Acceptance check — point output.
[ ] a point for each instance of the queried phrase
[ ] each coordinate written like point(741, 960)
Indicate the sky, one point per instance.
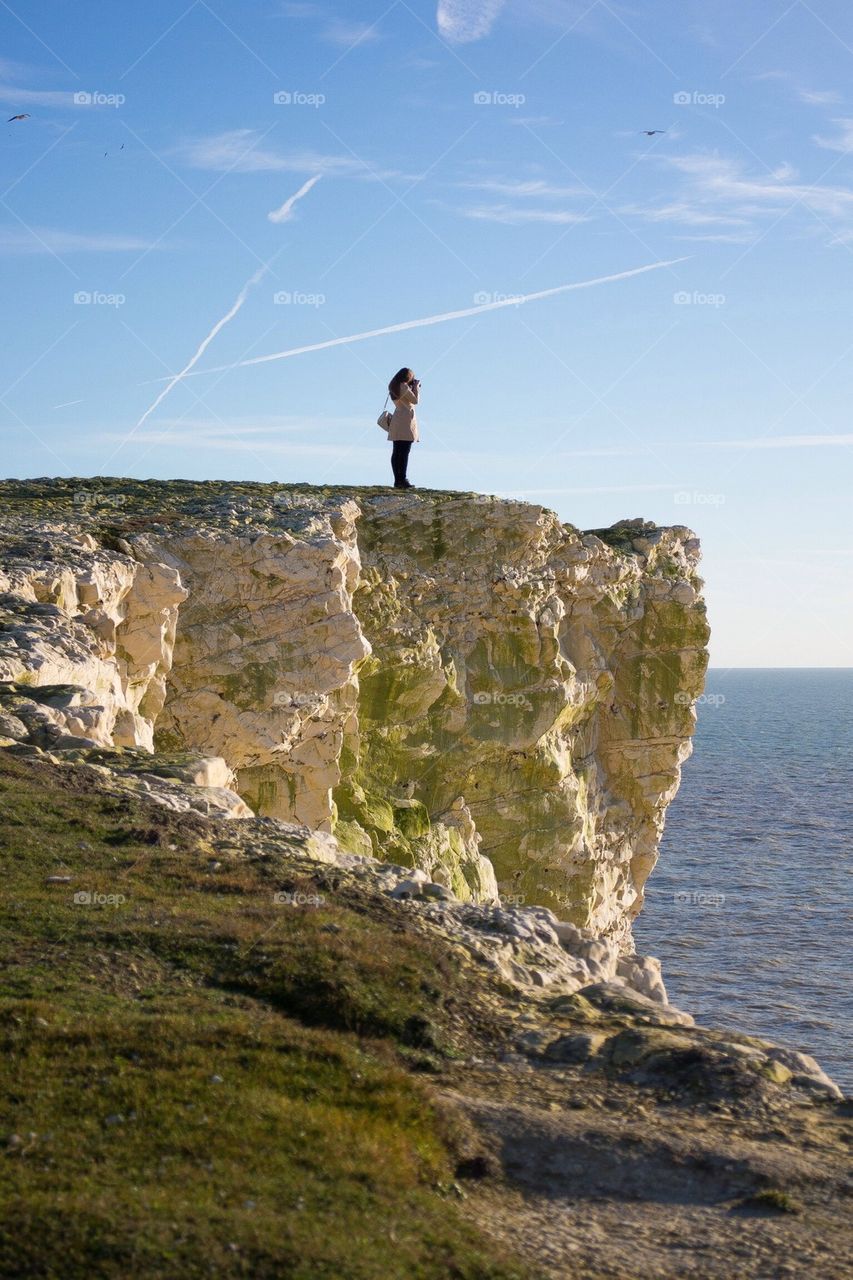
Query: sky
point(196, 185)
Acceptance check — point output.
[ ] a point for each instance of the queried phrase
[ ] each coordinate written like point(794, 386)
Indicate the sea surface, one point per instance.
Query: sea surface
point(750, 907)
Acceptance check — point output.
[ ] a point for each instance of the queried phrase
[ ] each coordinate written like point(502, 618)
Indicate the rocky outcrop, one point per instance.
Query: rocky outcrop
point(264, 669)
point(455, 683)
point(542, 677)
point(99, 625)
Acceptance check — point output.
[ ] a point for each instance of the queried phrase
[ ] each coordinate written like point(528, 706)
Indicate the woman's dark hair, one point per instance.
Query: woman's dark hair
point(401, 376)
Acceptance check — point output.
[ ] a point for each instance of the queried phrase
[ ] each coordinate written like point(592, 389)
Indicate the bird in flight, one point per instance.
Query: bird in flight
point(650, 133)
point(25, 115)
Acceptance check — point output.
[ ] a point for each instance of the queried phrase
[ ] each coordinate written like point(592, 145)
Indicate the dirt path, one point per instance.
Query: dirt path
point(623, 1186)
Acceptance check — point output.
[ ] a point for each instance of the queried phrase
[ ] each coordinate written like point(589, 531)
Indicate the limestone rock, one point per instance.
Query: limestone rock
point(458, 684)
point(616, 998)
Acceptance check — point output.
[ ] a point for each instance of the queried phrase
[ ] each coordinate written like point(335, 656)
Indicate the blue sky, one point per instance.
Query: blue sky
point(466, 154)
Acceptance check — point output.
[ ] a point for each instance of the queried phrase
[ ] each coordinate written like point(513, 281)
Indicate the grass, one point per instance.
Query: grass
point(770, 1200)
point(202, 1081)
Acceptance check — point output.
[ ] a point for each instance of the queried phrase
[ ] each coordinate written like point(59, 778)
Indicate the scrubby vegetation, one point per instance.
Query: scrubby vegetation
point(201, 1080)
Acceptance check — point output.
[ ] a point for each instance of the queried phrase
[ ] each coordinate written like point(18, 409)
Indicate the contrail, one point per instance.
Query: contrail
point(283, 214)
point(220, 324)
point(516, 301)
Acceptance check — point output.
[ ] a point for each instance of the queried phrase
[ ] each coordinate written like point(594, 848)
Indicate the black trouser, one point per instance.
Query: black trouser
point(400, 459)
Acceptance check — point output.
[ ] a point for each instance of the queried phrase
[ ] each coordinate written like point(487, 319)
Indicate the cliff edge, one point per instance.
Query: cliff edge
point(324, 814)
point(451, 682)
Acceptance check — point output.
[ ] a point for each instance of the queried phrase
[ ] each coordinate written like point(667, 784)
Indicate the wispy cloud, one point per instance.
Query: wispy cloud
point(513, 216)
point(717, 237)
point(236, 151)
point(338, 31)
point(233, 151)
point(604, 488)
point(843, 139)
point(261, 436)
point(685, 213)
point(720, 197)
point(827, 441)
point(536, 122)
point(811, 97)
point(256, 424)
point(463, 21)
point(819, 97)
point(523, 189)
point(52, 240)
point(16, 96)
point(285, 213)
point(718, 179)
point(782, 442)
point(526, 200)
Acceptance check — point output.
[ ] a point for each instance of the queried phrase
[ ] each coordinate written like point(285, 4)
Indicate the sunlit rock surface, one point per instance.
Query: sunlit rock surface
point(450, 682)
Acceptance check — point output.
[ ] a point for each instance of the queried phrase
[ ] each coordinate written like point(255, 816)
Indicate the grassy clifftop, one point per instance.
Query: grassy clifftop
point(201, 1081)
point(224, 1059)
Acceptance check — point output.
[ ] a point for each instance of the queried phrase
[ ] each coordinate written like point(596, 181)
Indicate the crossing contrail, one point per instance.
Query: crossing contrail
point(277, 215)
point(283, 214)
point(220, 324)
point(512, 301)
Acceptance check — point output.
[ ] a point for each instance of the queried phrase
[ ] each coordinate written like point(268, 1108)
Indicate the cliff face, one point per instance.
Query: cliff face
point(456, 683)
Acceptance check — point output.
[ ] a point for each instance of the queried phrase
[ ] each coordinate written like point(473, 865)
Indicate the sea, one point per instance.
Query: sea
point(750, 907)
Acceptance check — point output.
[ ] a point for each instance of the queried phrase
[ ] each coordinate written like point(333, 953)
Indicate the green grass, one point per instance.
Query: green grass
point(771, 1200)
point(202, 1082)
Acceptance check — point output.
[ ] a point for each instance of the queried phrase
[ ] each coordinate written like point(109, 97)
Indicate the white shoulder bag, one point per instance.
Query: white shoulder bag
point(384, 419)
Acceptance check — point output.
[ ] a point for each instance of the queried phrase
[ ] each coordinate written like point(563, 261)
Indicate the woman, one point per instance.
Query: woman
point(404, 389)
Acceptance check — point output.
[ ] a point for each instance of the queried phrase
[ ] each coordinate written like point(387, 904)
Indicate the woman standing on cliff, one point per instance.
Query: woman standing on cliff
point(404, 390)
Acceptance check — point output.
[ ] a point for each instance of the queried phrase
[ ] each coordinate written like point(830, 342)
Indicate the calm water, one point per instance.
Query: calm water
point(750, 906)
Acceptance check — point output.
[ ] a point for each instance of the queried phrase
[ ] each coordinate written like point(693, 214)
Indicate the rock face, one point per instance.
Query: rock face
point(449, 682)
point(98, 624)
point(540, 678)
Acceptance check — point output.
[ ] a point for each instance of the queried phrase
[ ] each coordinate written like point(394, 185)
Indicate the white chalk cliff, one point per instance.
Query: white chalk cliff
point(449, 682)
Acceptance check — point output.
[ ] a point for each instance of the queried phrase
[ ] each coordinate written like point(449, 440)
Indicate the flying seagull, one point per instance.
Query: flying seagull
point(650, 133)
point(25, 115)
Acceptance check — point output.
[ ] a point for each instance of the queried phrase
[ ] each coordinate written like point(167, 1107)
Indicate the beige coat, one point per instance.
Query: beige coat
point(404, 423)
